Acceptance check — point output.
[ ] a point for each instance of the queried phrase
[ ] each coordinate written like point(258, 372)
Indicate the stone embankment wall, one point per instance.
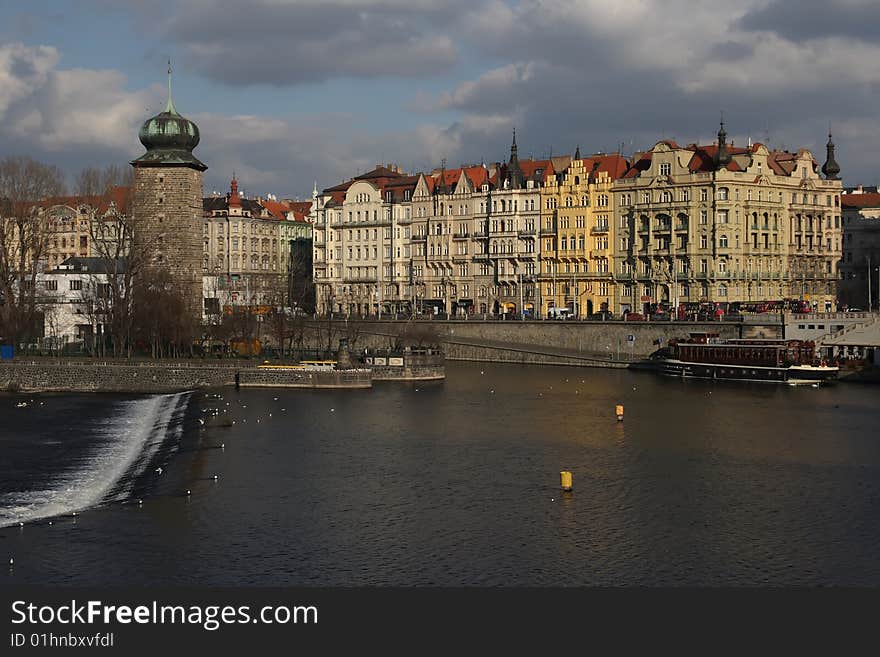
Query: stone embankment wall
point(290, 378)
point(50, 376)
point(595, 344)
point(406, 366)
point(151, 377)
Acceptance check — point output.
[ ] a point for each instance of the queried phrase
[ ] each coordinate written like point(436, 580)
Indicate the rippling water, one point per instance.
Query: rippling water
point(455, 484)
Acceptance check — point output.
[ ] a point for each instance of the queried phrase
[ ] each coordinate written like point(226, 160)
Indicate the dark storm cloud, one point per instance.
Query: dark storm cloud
point(284, 43)
point(810, 19)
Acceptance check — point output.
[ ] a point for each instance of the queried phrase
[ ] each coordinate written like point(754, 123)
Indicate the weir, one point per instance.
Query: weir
point(129, 440)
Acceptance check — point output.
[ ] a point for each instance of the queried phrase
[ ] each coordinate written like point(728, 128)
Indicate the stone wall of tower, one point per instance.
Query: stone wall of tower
point(167, 212)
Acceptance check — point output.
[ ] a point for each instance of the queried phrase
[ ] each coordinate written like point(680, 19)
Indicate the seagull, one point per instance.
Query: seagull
point(188, 492)
point(158, 470)
point(216, 477)
point(11, 561)
point(222, 445)
point(274, 398)
point(201, 421)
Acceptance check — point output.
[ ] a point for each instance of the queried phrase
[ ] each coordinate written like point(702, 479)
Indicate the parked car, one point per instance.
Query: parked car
point(603, 315)
point(635, 317)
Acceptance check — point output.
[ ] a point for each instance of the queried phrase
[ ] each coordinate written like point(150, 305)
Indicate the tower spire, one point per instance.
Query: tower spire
point(234, 198)
point(514, 172)
point(723, 157)
point(831, 168)
point(169, 106)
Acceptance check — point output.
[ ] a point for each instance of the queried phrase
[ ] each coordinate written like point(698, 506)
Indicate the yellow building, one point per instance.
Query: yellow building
point(577, 240)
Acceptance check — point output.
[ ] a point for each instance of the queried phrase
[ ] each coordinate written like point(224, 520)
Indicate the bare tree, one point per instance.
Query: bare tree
point(24, 239)
point(111, 232)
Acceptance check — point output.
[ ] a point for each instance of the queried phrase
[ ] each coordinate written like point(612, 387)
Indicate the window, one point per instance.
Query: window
point(76, 285)
point(704, 194)
point(52, 285)
point(722, 241)
point(665, 169)
point(722, 290)
point(723, 194)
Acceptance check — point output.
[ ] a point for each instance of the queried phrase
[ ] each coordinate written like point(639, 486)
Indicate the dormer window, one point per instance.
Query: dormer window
point(665, 169)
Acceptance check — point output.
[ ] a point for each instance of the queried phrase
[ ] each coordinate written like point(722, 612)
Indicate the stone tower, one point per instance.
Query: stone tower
point(167, 203)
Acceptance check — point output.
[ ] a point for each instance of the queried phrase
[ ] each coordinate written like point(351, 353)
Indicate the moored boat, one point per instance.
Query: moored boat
point(708, 356)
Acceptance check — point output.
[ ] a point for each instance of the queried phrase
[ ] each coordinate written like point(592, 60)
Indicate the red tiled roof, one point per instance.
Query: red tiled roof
point(867, 200)
point(642, 162)
point(276, 210)
point(300, 210)
point(379, 172)
point(119, 196)
point(530, 169)
point(614, 165)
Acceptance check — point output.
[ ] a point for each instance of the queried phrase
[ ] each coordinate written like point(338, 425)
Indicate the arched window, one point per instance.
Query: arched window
point(723, 193)
point(722, 290)
point(722, 241)
point(564, 243)
point(581, 242)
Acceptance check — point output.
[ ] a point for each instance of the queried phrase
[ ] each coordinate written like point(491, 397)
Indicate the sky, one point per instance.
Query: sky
point(289, 93)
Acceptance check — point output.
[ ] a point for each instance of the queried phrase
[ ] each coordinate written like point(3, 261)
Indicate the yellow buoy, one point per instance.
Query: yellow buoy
point(618, 410)
point(565, 480)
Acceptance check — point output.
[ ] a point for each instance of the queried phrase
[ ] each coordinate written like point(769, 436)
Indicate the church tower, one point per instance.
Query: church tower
point(167, 203)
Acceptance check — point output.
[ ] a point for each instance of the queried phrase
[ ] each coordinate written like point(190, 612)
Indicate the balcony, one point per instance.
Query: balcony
point(459, 237)
point(548, 231)
point(598, 230)
point(360, 279)
point(528, 232)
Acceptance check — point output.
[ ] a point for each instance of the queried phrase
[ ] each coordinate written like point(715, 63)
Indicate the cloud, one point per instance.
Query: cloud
point(812, 19)
point(282, 42)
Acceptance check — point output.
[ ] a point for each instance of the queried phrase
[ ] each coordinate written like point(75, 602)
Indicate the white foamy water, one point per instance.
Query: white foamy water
point(128, 440)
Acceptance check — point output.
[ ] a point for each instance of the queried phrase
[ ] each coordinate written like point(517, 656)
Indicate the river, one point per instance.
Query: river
point(447, 484)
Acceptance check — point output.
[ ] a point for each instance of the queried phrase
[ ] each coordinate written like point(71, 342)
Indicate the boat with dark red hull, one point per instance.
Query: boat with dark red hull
point(708, 356)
